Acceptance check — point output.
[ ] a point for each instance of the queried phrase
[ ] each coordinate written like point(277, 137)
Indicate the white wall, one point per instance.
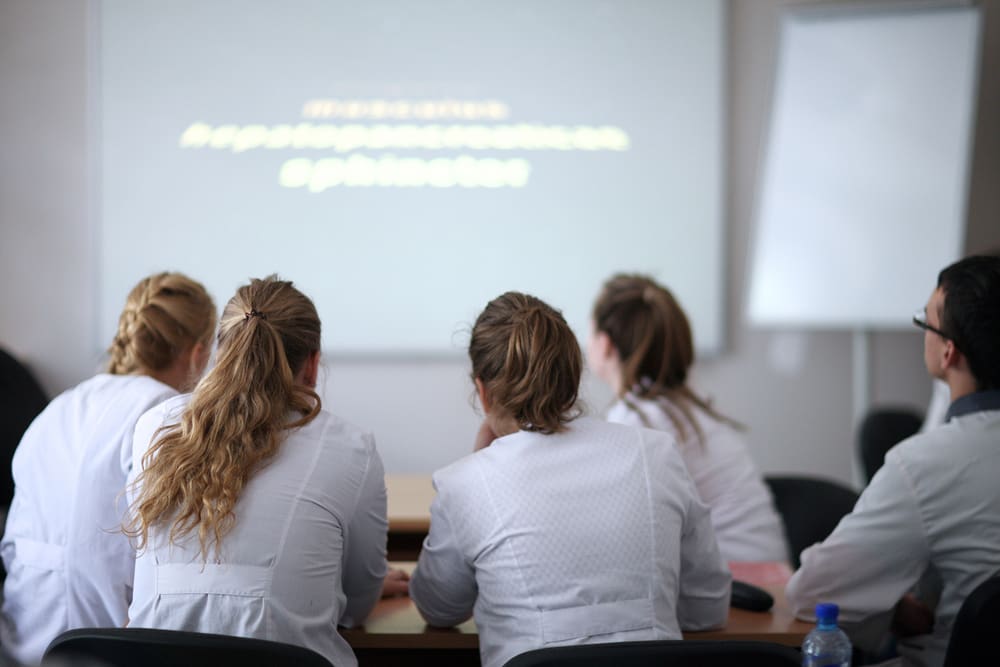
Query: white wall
point(45, 240)
point(792, 389)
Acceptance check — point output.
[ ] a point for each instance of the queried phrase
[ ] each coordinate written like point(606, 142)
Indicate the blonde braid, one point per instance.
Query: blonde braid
point(164, 314)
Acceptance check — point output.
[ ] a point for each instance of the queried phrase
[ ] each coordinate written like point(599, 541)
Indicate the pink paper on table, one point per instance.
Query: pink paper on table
point(761, 573)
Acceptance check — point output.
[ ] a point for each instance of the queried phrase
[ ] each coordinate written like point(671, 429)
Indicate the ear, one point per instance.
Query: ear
point(951, 356)
point(198, 358)
point(603, 347)
point(309, 373)
point(484, 396)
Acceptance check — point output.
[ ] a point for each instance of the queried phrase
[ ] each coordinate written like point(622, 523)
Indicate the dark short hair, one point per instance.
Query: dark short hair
point(971, 315)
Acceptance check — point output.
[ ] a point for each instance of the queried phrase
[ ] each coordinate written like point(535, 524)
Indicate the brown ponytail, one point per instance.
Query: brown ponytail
point(195, 472)
point(652, 336)
point(527, 357)
point(164, 315)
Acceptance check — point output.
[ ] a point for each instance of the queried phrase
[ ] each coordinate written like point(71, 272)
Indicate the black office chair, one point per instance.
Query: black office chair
point(973, 634)
point(676, 653)
point(129, 647)
point(880, 431)
point(21, 399)
point(810, 508)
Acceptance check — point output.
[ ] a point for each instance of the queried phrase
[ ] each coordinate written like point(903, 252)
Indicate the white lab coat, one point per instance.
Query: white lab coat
point(307, 551)
point(937, 408)
point(592, 535)
point(747, 525)
point(934, 503)
point(68, 564)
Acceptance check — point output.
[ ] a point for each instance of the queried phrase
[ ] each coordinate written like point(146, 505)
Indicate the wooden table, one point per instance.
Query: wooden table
point(395, 628)
point(409, 513)
point(410, 499)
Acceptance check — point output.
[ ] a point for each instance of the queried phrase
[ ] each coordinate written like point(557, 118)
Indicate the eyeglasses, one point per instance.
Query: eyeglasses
point(920, 320)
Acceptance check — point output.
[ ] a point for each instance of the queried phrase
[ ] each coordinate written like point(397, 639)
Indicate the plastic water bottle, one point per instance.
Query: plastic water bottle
point(826, 645)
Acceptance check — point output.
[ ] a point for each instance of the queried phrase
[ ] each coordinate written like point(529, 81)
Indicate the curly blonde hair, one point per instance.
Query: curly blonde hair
point(237, 418)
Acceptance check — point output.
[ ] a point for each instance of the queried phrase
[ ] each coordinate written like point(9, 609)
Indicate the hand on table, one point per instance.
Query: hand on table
point(912, 617)
point(395, 584)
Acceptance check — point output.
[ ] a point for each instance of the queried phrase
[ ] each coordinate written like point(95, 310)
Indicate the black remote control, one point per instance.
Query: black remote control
point(750, 597)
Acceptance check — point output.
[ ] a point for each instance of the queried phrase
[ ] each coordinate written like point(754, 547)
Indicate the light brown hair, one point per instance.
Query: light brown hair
point(164, 315)
point(652, 336)
point(236, 421)
point(527, 357)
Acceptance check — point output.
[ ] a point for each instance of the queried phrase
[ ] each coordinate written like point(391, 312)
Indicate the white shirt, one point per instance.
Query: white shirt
point(592, 535)
point(68, 564)
point(937, 407)
point(747, 525)
point(934, 503)
point(306, 553)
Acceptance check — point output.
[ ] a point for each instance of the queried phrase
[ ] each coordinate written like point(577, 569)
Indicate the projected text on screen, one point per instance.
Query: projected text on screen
point(359, 169)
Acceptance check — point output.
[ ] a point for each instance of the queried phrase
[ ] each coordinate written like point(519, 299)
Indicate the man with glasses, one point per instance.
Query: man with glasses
point(933, 509)
point(940, 395)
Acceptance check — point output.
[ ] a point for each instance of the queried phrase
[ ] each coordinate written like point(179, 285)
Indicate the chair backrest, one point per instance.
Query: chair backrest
point(880, 431)
point(676, 653)
point(810, 508)
point(21, 399)
point(126, 647)
point(973, 634)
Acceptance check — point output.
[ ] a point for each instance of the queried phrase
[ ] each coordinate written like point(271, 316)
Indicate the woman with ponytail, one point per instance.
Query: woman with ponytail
point(256, 513)
point(561, 529)
point(641, 345)
point(68, 565)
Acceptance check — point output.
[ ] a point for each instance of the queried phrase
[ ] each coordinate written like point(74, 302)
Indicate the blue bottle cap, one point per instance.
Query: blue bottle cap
point(826, 613)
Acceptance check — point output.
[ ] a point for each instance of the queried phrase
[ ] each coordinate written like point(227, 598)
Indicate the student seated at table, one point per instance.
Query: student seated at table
point(68, 565)
point(641, 345)
point(932, 512)
point(562, 529)
point(256, 513)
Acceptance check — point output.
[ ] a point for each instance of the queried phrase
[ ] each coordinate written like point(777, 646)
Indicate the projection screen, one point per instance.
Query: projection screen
point(405, 162)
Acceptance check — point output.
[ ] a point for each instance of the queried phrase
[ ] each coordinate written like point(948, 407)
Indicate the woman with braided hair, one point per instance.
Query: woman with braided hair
point(641, 345)
point(68, 564)
point(561, 529)
point(255, 512)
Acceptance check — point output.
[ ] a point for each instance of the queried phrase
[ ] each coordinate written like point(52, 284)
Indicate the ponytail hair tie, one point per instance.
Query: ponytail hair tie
point(253, 313)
